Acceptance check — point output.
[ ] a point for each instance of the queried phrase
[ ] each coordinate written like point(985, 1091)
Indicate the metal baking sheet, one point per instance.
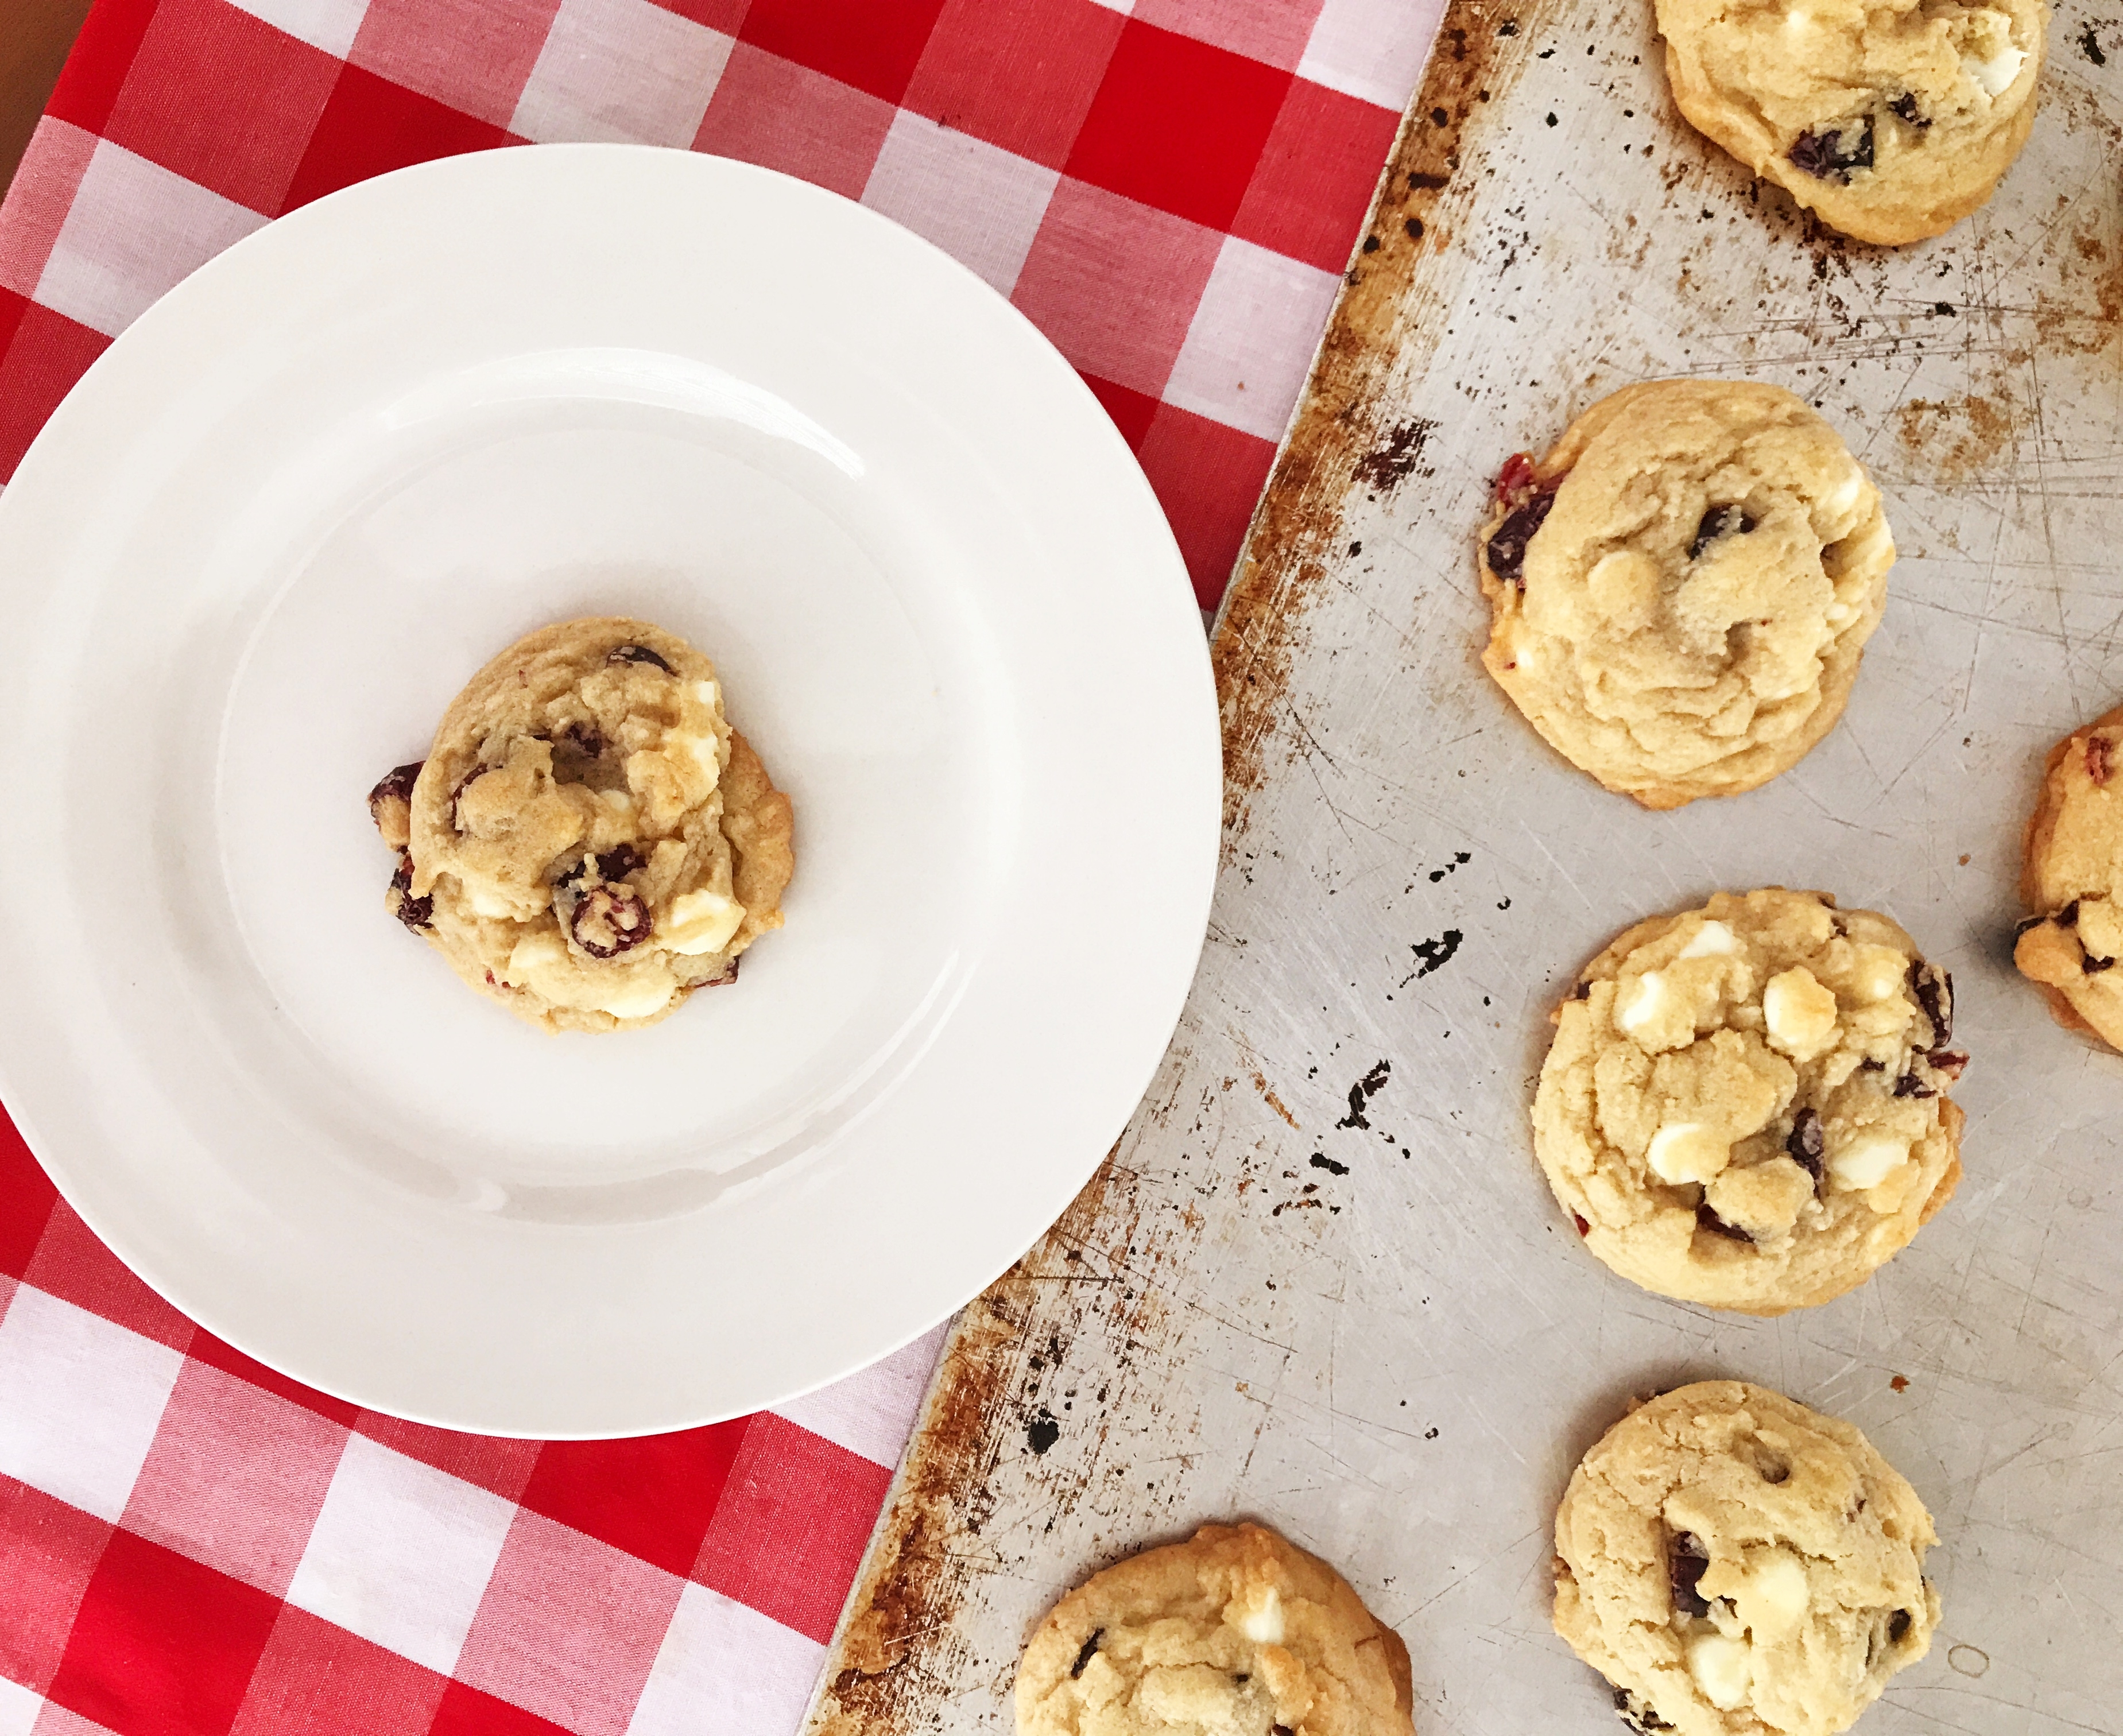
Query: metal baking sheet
point(1320, 1281)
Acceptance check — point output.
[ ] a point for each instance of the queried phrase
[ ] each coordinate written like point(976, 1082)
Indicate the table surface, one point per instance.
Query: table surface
point(33, 47)
point(1322, 1281)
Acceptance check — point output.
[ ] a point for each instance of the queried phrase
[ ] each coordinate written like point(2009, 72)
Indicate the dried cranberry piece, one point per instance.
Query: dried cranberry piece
point(1583, 992)
point(1909, 1086)
point(1717, 524)
point(396, 785)
point(2025, 923)
point(1808, 1143)
point(2068, 917)
point(620, 861)
point(1898, 1627)
point(1516, 476)
point(2100, 759)
point(1686, 1561)
point(1707, 1219)
point(1507, 542)
point(1951, 1062)
point(728, 976)
point(608, 921)
point(1934, 993)
point(1583, 1227)
point(1905, 108)
point(637, 653)
point(1834, 156)
point(417, 914)
point(2093, 967)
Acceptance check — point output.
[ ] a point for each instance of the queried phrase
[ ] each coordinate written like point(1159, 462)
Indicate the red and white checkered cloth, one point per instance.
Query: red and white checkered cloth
point(191, 1544)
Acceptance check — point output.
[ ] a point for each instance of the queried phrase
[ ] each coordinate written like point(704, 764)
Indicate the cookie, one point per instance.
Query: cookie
point(1744, 1105)
point(1683, 588)
point(588, 840)
point(2072, 883)
point(1736, 1564)
point(1235, 1632)
point(1889, 120)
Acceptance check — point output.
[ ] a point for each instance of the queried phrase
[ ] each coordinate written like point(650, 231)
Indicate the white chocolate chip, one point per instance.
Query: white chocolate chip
point(1645, 1001)
point(1261, 1622)
point(1994, 76)
point(1877, 972)
point(1687, 1151)
point(1714, 940)
point(486, 903)
point(1846, 493)
point(1800, 1013)
point(1772, 1594)
point(700, 922)
point(1838, 614)
point(1866, 1159)
point(1722, 1669)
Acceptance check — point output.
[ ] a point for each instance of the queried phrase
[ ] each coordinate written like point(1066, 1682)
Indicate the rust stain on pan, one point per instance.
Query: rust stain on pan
point(1345, 436)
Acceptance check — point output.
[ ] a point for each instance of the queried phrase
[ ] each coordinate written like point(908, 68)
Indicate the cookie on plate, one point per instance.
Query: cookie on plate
point(1735, 1562)
point(1744, 1105)
point(1889, 120)
point(1683, 588)
point(2073, 882)
point(1235, 1632)
point(588, 840)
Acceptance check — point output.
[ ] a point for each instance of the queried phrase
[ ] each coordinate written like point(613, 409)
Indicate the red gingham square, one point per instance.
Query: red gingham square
point(1130, 410)
point(235, 1478)
point(471, 55)
point(651, 1497)
point(784, 116)
point(1272, 30)
point(726, 16)
point(569, 1628)
point(1019, 73)
point(1178, 453)
point(162, 1646)
point(1313, 188)
point(48, 1555)
point(50, 352)
point(314, 1679)
point(247, 152)
point(102, 55)
point(469, 1711)
point(371, 126)
point(1114, 284)
point(793, 1522)
point(871, 44)
point(26, 1193)
point(1178, 125)
point(70, 1263)
point(44, 185)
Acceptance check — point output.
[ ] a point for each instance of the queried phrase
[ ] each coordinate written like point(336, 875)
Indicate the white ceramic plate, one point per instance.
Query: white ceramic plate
point(247, 564)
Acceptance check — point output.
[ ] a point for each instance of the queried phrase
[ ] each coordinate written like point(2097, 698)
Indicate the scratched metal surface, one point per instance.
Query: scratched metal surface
point(1320, 1281)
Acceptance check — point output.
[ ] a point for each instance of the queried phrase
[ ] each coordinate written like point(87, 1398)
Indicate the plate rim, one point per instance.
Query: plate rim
point(58, 445)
